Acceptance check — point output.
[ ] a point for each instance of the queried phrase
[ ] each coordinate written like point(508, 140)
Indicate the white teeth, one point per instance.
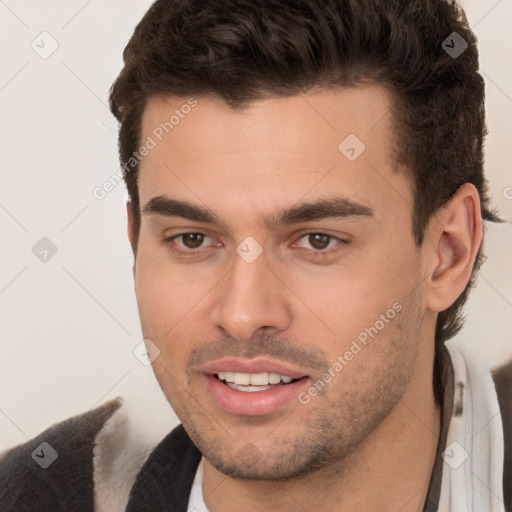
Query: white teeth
point(274, 378)
point(253, 379)
point(259, 379)
point(248, 388)
point(242, 379)
point(227, 376)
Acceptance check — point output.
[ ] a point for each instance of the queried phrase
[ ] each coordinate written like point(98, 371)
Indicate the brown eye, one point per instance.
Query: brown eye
point(319, 241)
point(190, 244)
point(192, 240)
point(321, 245)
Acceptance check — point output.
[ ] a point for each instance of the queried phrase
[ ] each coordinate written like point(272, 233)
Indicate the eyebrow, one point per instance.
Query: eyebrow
point(328, 208)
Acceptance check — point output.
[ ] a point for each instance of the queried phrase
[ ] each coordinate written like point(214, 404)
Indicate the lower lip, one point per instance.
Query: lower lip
point(253, 403)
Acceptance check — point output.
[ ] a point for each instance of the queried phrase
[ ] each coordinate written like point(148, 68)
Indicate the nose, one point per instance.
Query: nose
point(251, 297)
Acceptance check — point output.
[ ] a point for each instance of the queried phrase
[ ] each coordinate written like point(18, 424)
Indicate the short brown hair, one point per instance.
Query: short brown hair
point(244, 50)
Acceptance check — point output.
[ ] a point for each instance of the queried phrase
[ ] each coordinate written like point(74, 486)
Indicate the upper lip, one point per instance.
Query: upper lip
point(252, 366)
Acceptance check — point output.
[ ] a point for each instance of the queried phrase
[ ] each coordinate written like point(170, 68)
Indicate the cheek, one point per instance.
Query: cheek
point(163, 293)
point(353, 297)
point(375, 314)
point(376, 353)
point(170, 302)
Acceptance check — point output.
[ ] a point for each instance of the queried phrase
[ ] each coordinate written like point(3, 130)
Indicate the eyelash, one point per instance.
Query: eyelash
point(318, 253)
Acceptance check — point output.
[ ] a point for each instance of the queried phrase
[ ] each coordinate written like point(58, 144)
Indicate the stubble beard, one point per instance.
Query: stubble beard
point(332, 432)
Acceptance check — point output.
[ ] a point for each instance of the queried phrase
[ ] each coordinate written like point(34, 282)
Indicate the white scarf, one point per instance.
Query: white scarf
point(473, 459)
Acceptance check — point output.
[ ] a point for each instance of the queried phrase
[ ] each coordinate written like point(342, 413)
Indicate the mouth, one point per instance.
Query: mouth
point(253, 387)
point(253, 382)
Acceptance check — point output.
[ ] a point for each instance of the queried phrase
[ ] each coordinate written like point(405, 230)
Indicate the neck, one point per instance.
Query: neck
point(389, 471)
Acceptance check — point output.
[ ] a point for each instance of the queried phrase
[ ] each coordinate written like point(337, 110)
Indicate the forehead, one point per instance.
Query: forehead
point(302, 123)
point(274, 152)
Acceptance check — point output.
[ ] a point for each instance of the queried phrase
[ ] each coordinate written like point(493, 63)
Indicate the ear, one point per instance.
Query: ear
point(130, 230)
point(455, 235)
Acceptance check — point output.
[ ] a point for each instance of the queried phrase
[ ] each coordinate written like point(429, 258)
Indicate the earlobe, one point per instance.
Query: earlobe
point(456, 235)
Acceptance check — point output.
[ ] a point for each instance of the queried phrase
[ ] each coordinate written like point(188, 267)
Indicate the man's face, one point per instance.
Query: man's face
point(333, 301)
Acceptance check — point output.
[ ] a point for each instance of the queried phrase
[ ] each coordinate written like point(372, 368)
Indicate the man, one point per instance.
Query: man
point(306, 204)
